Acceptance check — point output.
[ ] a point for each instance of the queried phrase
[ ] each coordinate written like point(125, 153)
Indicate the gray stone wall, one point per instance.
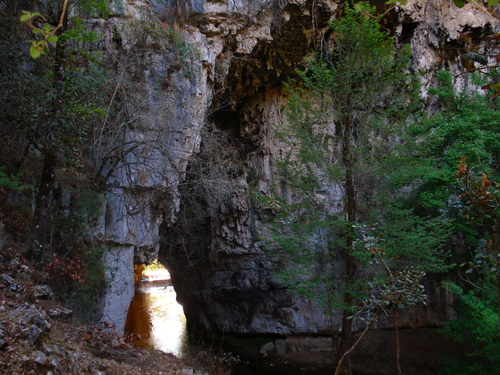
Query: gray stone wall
point(241, 51)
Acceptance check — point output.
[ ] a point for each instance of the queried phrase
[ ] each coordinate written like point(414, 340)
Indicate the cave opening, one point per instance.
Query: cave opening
point(155, 319)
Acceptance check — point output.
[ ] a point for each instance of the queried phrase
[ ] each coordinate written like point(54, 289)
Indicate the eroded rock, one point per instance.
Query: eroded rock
point(10, 283)
point(43, 292)
point(60, 313)
point(31, 322)
point(40, 358)
point(31, 334)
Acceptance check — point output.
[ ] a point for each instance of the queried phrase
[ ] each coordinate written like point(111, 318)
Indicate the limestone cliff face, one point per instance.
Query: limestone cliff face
point(227, 77)
point(161, 84)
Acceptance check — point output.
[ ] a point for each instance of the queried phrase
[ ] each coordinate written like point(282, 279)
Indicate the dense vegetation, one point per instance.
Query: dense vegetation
point(372, 185)
point(49, 109)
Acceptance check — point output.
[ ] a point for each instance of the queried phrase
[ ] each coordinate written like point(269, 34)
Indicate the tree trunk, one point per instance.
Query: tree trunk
point(351, 349)
point(60, 70)
point(42, 217)
point(398, 350)
point(350, 262)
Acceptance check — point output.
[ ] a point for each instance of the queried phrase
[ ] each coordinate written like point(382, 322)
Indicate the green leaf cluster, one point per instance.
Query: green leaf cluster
point(362, 71)
point(415, 241)
point(477, 327)
point(400, 289)
point(84, 8)
point(93, 8)
point(9, 182)
point(30, 108)
point(466, 126)
point(355, 96)
point(39, 47)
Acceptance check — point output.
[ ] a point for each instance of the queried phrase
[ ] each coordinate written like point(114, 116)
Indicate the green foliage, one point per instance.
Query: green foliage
point(55, 112)
point(477, 327)
point(356, 97)
point(467, 126)
point(306, 248)
point(345, 114)
point(390, 2)
point(345, 171)
point(56, 118)
point(413, 240)
point(75, 268)
point(50, 105)
point(86, 295)
point(93, 8)
point(84, 8)
point(394, 257)
point(30, 108)
point(479, 314)
point(358, 88)
point(80, 33)
point(9, 182)
point(481, 197)
point(399, 289)
point(361, 69)
point(39, 47)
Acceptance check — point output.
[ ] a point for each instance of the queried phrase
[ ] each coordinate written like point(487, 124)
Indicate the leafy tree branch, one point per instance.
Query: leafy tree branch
point(48, 32)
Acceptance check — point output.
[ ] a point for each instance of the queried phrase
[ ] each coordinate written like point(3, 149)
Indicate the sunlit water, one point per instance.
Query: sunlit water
point(159, 321)
point(156, 317)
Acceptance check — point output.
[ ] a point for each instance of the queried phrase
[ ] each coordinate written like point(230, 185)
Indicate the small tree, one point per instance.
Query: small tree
point(481, 198)
point(466, 125)
point(52, 97)
point(478, 322)
point(345, 113)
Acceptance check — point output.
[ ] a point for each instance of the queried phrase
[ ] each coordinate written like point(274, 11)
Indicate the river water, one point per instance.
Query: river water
point(158, 322)
point(155, 317)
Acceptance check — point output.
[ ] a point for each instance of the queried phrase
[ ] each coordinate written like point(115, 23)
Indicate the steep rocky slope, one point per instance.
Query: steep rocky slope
point(37, 335)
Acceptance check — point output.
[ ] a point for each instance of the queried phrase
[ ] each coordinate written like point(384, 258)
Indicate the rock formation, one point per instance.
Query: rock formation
point(216, 69)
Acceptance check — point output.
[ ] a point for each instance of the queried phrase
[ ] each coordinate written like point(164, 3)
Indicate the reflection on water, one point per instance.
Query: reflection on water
point(157, 318)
